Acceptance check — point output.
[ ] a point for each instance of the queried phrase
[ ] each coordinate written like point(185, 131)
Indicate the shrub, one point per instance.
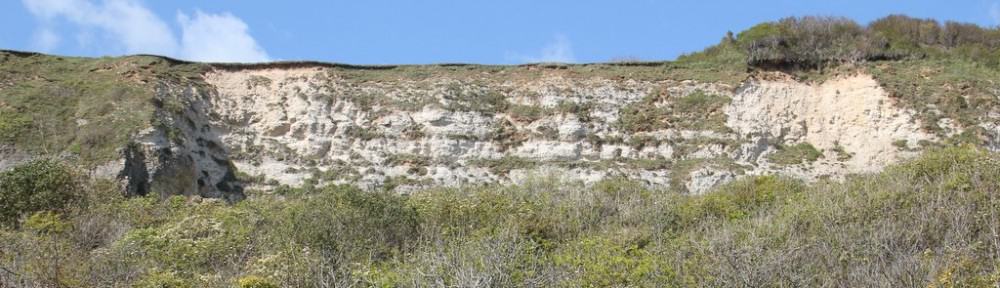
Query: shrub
point(733, 201)
point(699, 111)
point(841, 152)
point(526, 113)
point(255, 282)
point(602, 262)
point(348, 222)
point(619, 186)
point(926, 222)
point(795, 154)
point(696, 111)
point(464, 98)
point(38, 185)
point(802, 42)
point(408, 159)
point(581, 110)
point(47, 222)
point(159, 279)
point(504, 165)
point(645, 115)
point(816, 42)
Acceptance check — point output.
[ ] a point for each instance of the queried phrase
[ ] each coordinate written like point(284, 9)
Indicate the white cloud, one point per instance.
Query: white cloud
point(218, 37)
point(560, 49)
point(135, 29)
point(127, 23)
point(45, 40)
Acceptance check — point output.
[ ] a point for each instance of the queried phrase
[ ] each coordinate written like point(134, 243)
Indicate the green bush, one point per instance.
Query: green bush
point(35, 186)
point(349, 222)
point(733, 201)
point(694, 111)
point(255, 282)
point(816, 42)
point(47, 222)
point(648, 114)
point(759, 32)
point(795, 154)
point(526, 113)
point(504, 165)
point(159, 279)
point(581, 110)
point(602, 262)
point(699, 111)
point(478, 99)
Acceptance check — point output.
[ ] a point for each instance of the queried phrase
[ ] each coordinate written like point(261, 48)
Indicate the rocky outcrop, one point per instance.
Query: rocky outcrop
point(180, 154)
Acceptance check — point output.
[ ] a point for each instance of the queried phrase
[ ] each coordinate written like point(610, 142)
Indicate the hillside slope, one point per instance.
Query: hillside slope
point(803, 152)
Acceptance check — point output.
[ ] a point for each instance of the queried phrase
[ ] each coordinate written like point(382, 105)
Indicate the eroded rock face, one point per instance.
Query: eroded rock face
point(180, 154)
point(850, 118)
point(706, 178)
point(292, 125)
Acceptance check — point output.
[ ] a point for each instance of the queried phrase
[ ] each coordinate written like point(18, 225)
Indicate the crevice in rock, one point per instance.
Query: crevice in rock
point(135, 175)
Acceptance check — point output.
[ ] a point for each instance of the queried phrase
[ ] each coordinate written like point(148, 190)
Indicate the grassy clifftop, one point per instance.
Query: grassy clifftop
point(82, 106)
point(941, 70)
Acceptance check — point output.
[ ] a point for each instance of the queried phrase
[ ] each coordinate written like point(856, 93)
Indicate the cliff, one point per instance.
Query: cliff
point(172, 127)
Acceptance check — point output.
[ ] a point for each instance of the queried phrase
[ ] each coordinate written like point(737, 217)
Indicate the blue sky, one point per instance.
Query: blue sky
point(420, 32)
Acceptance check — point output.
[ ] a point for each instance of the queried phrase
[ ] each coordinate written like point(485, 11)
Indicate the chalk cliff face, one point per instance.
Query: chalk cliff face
point(850, 119)
point(215, 130)
point(313, 125)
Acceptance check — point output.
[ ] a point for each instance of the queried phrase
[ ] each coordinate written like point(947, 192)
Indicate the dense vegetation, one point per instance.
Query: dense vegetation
point(932, 221)
point(940, 70)
point(815, 42)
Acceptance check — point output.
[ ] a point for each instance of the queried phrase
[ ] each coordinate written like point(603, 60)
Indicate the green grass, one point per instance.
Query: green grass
point(646, 115)
point(795, 154)
point(959, 89)
point(658, 110)
point(81, 105)
point(700, 111)
point(478, 99)
point(408, 159)
point(526, 113)
point(13, 125)
point(504, 165)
